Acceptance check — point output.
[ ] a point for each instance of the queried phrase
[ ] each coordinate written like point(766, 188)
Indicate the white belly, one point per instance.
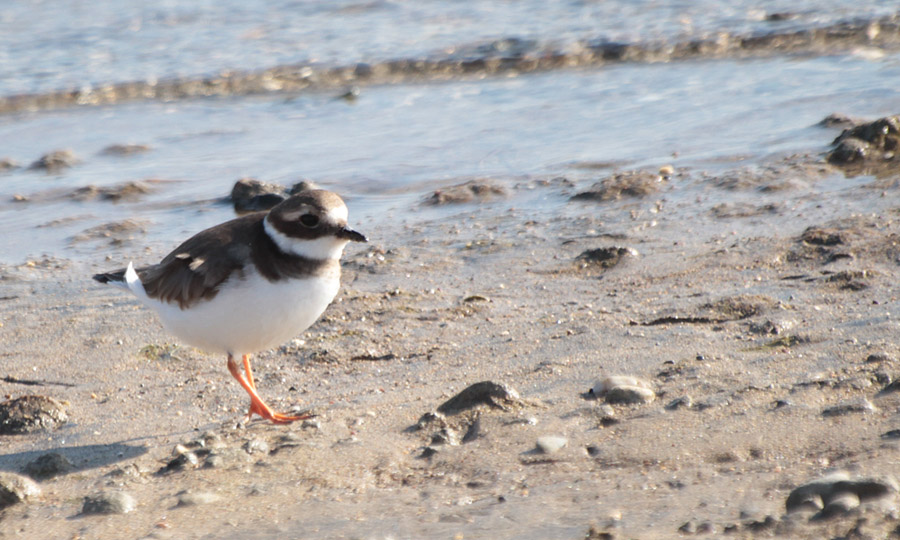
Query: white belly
point(249, 315)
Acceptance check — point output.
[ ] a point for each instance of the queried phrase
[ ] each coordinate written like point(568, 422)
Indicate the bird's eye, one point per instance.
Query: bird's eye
point(309, 220)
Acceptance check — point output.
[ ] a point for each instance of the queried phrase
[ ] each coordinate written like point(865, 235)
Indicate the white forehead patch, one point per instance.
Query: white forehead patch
point(338, 214)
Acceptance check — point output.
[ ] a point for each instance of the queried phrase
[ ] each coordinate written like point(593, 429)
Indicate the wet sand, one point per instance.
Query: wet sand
point(505, 57)
point(759, 312)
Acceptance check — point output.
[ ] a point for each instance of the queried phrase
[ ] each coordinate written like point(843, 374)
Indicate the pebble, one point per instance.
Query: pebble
point(214, 461)
point(15, 488)
point(838, 493)
point(550, 444)
point(624, 389)
point(251, 195)
point(197, 498)
point(445, 435)
point(879, 357)
point(48, 466)
point(622, 184)
point(56, 161)
point(428, 451)
point(109, 502)
point(860, 405)
point(311, 423)
point(181, 461)
point(495, 395)
point(8, 164)
point(473, 191)
point(125, 149)
point(684, 402)
point(604, 258)
point(31, 413)
point(256, 446)
point(290, 439)
point(840, 503)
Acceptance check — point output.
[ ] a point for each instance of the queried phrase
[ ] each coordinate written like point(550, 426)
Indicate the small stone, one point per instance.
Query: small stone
point(303, 185)
point(350, 94)
point(890, 387)
point(197, 498)
point(428, 451)
point(214, 461)
point(627, 184)
point(838, 120)
point(251, 195)
point(838, 493)
point(473, 191)
point(8, 164)
point(624, 389)
point(489, 393)
point(125, 149)
point(15, 488)
point(879, 357)
point(445, 435)
point(605, 257)
point(840, 504)
point(290, 438)
point(256, 446)
point(56, 161)
point(180, 462)
point(630, 395)
point(48, 466)
point(550, 444)
point(109, 502)
point(31, 413)
point(860, 405)
point(211, 439)
point(765, 524)
point(614, 381)
point(849, 150)
point(684, 402)
point(311, 423)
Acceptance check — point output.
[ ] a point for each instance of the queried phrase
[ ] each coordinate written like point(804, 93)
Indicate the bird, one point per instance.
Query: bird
point(249, 284)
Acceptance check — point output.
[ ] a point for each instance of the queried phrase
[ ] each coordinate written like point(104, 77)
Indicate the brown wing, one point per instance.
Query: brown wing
point(195, 270)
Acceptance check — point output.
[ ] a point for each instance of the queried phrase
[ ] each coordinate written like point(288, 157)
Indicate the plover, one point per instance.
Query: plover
point(249, 284)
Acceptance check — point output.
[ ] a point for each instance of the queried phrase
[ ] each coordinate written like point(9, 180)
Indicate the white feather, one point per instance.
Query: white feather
point(327, 247)
point(247, 315)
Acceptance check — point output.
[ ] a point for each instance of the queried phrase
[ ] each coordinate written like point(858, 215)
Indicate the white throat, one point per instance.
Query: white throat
point(327, 247)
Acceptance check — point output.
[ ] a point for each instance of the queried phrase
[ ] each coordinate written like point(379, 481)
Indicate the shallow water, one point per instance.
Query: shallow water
point(51, 45)
point(388, 148)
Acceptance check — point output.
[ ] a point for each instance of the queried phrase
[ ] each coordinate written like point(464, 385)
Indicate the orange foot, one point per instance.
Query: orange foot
point(257, 405)
point(260, 408)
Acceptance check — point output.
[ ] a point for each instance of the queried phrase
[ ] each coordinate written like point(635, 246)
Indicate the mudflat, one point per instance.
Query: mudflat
point(667, 359)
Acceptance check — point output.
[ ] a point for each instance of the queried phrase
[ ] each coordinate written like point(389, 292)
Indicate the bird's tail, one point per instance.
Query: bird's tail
point(133, 283)
point(125, 278)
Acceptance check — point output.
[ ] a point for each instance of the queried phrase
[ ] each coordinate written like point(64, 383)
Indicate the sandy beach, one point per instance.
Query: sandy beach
point(756, 317)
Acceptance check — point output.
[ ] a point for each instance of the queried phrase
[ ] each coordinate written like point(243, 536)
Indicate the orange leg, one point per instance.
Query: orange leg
point(248, 371)
point(257, 405)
